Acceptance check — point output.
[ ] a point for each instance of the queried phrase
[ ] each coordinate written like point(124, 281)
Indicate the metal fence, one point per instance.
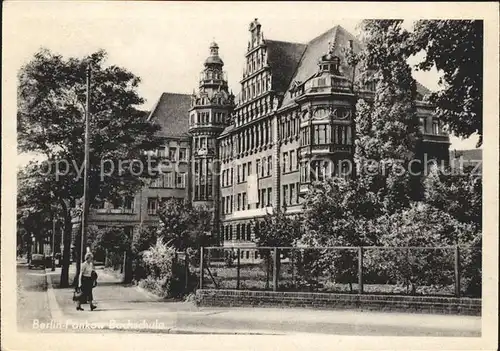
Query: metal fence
point(367, 269)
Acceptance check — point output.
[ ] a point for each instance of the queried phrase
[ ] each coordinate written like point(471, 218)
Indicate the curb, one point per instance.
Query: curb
point(55, 310)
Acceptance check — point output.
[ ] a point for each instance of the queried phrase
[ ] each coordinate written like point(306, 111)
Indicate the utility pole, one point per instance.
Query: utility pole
point(53, 268)
point(85, 202)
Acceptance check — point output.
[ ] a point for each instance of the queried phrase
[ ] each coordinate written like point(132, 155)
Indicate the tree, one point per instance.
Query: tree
point(387, 127)
point(274, 230)
point(420, 225)
point(51, 109)
point(458, 194)
point(182, 224)
point(455, 49)
point(36, 210)
point(143, 238)
point(336, 212)
point(112, 240)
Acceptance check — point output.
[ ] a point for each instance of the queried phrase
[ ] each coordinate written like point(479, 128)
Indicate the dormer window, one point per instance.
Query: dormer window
point(336, 64)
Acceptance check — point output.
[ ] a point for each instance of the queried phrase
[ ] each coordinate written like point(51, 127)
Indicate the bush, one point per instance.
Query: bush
point(166, 275)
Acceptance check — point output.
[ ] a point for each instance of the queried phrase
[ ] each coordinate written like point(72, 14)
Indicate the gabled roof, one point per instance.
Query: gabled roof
point(283, 57)
point(317, 47)
point(171, 113)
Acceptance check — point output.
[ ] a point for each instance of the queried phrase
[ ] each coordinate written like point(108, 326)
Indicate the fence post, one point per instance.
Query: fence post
point(186, 271)
point(275, 269)
point(457, 271)
point(238, 270)
point(122, 270)
point(202, 269)
point(360, 270)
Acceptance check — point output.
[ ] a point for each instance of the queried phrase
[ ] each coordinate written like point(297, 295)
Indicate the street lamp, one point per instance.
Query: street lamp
point(84, 218)
point(53, 268)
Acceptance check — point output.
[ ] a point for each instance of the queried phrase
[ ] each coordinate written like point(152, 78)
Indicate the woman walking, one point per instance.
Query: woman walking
point(86, 283)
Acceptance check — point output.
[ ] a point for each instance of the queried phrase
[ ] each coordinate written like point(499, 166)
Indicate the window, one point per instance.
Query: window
point(269, 165)
point(297, 193)
point(162, 152)
point(128, 204)
point(263, 168)
point(152, 205)
point(164, 180)
point(180, 180)
point(238, 173)
point(292, 194)
point(172, 153)
point(435, 127)
point(244, 207)
point(269, 196)
point(243, 177)
point(238, 204)
point(157, 182)
point(183, 154)
point(249, 168)
point(248, 254)
point(285, 195)
point(237, 232)
point(285, 162)
point(257, 167)
point(249, 234)
point(293, 161)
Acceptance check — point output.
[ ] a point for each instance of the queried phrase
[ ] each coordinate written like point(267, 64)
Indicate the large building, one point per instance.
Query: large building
point(291, 124)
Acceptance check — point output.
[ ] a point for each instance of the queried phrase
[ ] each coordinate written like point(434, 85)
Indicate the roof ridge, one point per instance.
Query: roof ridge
point(169, 93)
point(284, 41)
point(323, 33)
point(153, 110)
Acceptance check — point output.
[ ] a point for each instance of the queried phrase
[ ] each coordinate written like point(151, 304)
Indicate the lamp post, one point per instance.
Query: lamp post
point(53, 267)
point(85, 207)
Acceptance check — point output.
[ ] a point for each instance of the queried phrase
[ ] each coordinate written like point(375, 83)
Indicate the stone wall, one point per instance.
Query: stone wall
point(417, 304)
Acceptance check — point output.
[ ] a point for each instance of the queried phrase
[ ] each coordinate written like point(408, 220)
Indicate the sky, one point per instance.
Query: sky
point(165, 43)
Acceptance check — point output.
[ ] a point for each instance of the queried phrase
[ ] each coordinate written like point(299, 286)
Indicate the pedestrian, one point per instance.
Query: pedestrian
point(86, 283)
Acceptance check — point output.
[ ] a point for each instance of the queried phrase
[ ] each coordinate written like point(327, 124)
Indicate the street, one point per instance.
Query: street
point(32, 301)
point(44, 307)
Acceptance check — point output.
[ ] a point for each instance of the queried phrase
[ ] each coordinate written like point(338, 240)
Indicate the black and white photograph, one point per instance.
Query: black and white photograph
point(287, 172)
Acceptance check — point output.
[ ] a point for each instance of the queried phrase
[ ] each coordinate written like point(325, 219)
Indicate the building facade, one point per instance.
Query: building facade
point(291, 124)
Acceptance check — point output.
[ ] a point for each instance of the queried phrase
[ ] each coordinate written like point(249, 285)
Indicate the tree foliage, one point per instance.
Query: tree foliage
point(277, 229)
point(456, 193)
point(143, 238)
point(182, 224)
point(382, 206)
point(387, 127)
point(51, 110)
point(455, 49)
point(420, 225)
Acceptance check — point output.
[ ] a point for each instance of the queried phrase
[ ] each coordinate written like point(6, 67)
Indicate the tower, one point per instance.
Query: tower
point(209, 115)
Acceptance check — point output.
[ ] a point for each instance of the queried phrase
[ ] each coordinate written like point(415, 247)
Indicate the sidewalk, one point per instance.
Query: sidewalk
point(130, 308)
